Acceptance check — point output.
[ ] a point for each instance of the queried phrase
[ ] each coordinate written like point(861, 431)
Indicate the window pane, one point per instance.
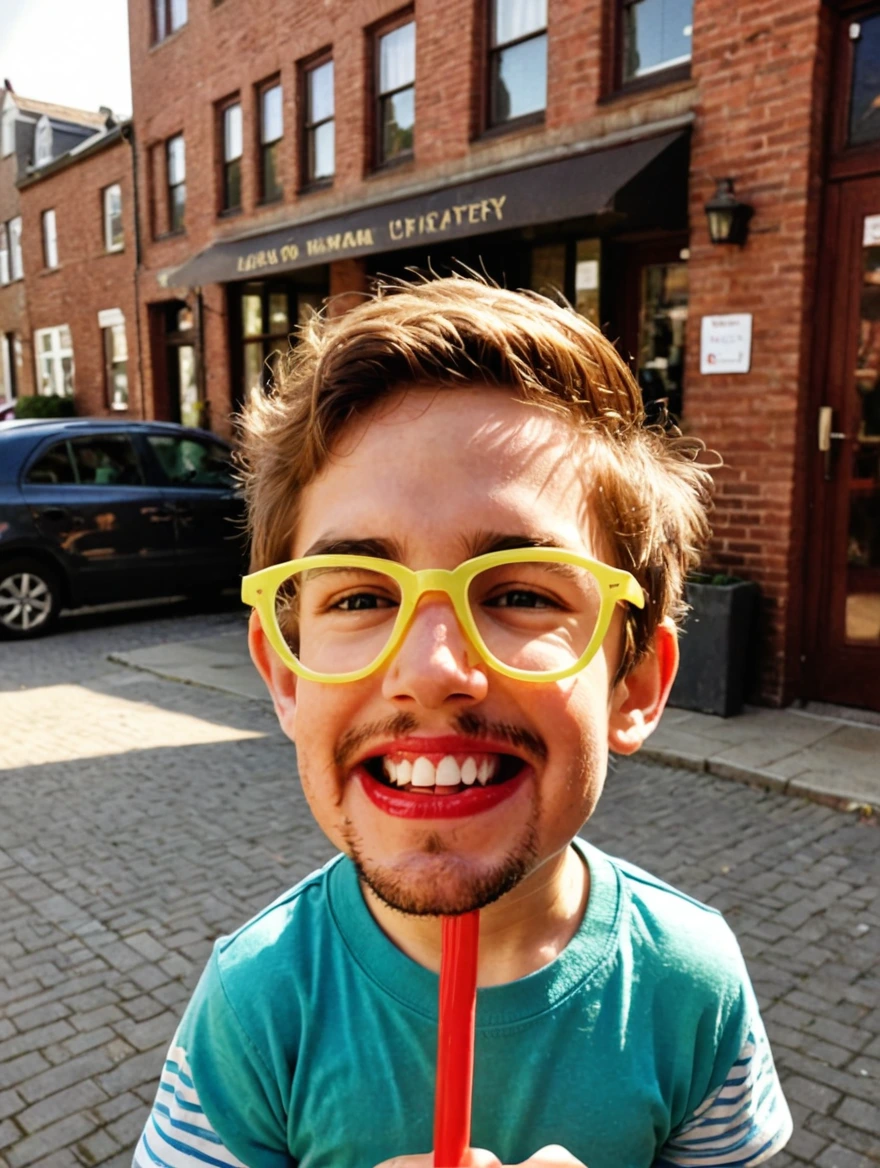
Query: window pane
point(191, 462)
point(118, 343)
point(45, 341)
point(517, 18)
point(864, 109)
point(178, 14)
point(398, 119)
point(53, 467)
point(113, 236)
point(272, 188)
point(548, 269)
point(232, 185)
point(178, 206)
point(662, 327)
point(272, 125)
point(176, 160)
point(16, 269)
point(253, 365)
point(521, 82)
point(65, 344)
point(4, 255)
point(50, 240)
point(107, 460)
point(278, 320)
point(66, 388)
point(159, 19)
point(231, 133)
point(397, 58)
point(252, 315)
point(320, 93)
point(119, 386)
point(322, 162)
point(656, 33)
point(587, 277)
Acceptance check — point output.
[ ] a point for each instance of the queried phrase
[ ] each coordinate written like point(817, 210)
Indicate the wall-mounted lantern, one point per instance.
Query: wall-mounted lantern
point(728, 217)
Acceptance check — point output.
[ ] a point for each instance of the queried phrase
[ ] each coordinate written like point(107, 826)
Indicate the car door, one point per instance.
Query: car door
point(200, 492)
point(90, 501)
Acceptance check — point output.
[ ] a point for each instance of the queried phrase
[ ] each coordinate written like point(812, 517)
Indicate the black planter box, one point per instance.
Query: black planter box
point(715, 645)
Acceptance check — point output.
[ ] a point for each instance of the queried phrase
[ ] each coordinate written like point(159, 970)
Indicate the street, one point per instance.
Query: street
point(141, 818)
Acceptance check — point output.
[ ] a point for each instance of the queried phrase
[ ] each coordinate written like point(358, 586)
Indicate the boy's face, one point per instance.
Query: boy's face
point(435, 478)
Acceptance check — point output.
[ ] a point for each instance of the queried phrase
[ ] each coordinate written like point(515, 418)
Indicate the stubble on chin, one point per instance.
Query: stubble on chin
point(444, 885)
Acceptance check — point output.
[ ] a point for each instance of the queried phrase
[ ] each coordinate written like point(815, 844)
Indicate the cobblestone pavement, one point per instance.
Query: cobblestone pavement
point(140, 818)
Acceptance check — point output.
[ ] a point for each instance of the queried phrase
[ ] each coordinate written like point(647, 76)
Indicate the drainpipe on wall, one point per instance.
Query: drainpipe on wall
point(128, 135)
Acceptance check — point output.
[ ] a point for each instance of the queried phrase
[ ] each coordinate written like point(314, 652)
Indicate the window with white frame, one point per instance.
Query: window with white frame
point(7, 367)
point(114, 239)
point(175, 156)
point(43, 141)
point(7, 129)
point(16, 265)
point(50, 239)
point(656, 35)
point(54, 353)
point(4, 254)
point(116, 364)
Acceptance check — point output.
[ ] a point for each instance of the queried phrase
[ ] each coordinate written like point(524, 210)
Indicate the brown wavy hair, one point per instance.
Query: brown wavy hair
point(649, 489)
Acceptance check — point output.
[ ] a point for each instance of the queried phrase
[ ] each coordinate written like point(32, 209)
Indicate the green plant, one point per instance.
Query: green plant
point(44, 406)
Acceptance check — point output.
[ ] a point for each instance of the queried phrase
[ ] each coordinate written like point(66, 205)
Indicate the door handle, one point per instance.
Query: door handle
point(827, 435)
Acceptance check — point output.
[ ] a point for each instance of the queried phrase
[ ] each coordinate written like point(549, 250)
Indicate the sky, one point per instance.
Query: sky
point(74, 52)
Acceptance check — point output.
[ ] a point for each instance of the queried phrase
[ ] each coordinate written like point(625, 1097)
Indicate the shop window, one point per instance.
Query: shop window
point(548, 270)
point(114, 239)
point(662, 328)
point(396, 93)
point(116, 366)
point(168, 17)
point(319, 130)
point(587, 274)
point(864, 96)
point(231, 140)
point(517, 60)
point(50, 239)
point(269, 314)
point(175, 161)
point(655, 37)
point(54, 350)
point(13, 234)
point(271, 133)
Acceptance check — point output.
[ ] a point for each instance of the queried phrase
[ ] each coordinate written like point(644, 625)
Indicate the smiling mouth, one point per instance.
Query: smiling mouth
point(443, 774)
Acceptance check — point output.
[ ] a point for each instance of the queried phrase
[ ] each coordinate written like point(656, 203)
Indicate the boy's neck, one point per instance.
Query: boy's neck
point(520, 933)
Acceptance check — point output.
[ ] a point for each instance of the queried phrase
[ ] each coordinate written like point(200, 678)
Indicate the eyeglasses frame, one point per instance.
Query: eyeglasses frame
point(259, 590)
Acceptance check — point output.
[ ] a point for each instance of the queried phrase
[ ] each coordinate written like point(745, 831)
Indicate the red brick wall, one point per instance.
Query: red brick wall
point(13, 302)
point(758, 120)
point(88, 278)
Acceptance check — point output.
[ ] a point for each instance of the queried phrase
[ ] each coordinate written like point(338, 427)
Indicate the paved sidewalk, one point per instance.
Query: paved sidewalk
point(827, 759)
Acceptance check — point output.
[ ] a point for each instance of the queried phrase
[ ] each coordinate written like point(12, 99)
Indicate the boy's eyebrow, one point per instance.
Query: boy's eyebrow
point(382, 549)
point(494, 541)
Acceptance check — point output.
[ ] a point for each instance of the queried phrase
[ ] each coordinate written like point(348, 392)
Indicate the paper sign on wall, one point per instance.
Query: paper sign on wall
point(726, 343)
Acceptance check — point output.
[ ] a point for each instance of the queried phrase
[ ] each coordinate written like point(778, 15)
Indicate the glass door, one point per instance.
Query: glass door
point(846, 666)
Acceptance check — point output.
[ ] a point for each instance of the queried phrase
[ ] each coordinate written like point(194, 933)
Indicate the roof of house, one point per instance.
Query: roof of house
point(61, 113)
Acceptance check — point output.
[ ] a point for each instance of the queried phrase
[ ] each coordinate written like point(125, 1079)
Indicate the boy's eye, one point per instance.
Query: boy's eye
point(519, 598)
point(362, 601)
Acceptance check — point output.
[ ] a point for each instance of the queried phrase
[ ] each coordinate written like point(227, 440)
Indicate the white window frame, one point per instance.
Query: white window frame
point(51, 362)
point(7, 365)
point(43, 141)
point(7, 128)
point(109, 245)
point(50, 238)
point(16, 263)
point(4, 254)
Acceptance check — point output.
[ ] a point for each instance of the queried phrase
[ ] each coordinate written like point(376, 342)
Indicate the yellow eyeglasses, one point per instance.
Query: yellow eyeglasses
point(533, 614)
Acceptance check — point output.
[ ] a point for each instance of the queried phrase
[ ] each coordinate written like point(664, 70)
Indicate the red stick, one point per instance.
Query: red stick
point(455, 1039)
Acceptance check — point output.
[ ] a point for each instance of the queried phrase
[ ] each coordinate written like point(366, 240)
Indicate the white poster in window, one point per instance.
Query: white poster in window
point(586, 276)
point(726, 343)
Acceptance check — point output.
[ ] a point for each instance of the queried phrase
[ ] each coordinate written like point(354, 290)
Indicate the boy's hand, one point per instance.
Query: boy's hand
point(553, 1156)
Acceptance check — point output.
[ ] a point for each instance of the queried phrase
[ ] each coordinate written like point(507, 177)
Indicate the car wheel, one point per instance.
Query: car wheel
point(30, 599)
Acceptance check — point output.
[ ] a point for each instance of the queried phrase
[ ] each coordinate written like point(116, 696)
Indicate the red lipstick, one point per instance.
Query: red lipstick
point(408, 805)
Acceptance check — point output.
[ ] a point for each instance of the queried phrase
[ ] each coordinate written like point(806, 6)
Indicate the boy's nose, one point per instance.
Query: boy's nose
point(435, 664)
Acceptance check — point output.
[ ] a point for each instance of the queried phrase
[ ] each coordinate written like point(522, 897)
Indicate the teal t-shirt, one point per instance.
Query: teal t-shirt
point(311, 1040)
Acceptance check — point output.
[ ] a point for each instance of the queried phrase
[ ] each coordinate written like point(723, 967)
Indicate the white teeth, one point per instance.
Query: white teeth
point(423, 773)
point(390, 769)
point(483, 772)
point(469, 771)
point(448, 774)
point(404, 772)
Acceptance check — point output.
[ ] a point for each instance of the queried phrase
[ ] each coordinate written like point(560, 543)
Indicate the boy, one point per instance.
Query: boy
point(470, 552)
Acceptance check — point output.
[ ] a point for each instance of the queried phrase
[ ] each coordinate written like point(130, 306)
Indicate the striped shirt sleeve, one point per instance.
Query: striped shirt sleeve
point(744, 1122)
point(178, 1134)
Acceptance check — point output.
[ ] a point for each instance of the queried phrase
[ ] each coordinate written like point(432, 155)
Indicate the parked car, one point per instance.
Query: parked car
point(94, 510)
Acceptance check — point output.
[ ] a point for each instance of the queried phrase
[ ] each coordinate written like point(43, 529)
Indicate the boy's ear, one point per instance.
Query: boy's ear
point(638, 700)
point(280, 681)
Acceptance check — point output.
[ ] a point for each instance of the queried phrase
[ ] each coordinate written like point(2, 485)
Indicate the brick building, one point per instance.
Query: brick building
point(79, 252)
point(32, 134)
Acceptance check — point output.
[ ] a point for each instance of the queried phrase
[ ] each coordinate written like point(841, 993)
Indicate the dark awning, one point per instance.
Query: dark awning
point(581, 185)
